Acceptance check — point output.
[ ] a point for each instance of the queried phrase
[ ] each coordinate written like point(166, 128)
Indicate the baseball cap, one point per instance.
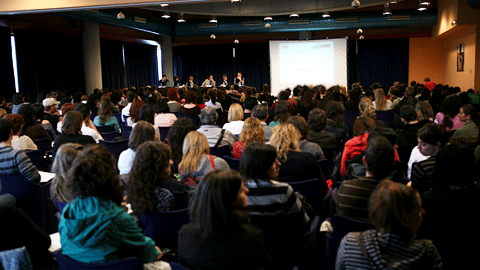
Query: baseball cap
point(49, 102)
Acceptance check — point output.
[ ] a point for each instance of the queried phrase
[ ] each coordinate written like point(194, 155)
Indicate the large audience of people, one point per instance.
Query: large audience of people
point(384, 172)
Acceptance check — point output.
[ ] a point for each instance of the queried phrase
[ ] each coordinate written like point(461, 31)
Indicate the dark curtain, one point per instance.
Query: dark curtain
point(6, 68)
point(113, 71)
point(49, 62)
point(252, 60)
point(141, 64)
point(379, 60)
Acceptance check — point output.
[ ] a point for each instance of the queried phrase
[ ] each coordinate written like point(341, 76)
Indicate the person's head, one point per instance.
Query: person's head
point(83, 109)
point(387, 132)
point(380, 100)
point(135, 109)
point(335, 114)
point(208, 116)
point(431, 137)
point(72, 122)
point(366, 107)
point(164, 77)
point(259, 162)
point(285, 138)
point(282, 111)
point(190, 78)
point(379, 157)
point(28, 114)
point(105, 111)
point(177, 133)
point(235, 112)
point(172, 94)
point(142, 132)
point(427, 79)
point(424, 110)
point(317, 120)
point(94, 174)
point(283, 95)
point(64, 158)
point(161, 107)
point(252, 131)
point(217, 207)
point(49, 104)
point(195, 145)
point(17, 122)
point(131, 96)
point(250, 103)
point(190, 97)
point(363, 124)
point(146, 114)
point(467, 113)
point(17, 98)
point(395, 208)
point(455, 166)
point(150, 169)
point(5, 129)
point(239, 74)
point(66, 107)
point(260, 111)
point(408, 114)
point(300, 124)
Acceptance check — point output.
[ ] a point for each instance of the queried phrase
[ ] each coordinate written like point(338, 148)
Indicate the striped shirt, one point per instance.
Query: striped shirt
point(14, 161)
point(422, 174)
point(386, 251)
point(273, 199)
point(353, 196)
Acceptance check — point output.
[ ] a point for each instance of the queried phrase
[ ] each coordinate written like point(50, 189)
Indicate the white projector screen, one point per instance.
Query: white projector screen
point(307, 62)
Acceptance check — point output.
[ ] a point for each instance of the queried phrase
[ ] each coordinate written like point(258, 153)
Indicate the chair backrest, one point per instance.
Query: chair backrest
point(27, 195)
point(110, 136)
point(176, 266)
point(325, 166)
point(194, 117)
point(341, 226)
point(43, 144)
point(15, 259)
point(221, 151)
point(67, 263)
point(115, 148)
point(92, 116)
point(350, 117)
point(233, 163)
point(119, 117)
point(126, 130)
point(36, 156)
point(163, 227)
point(103, 129)
point(386, 116)
point(163, 133)
point(311, 189)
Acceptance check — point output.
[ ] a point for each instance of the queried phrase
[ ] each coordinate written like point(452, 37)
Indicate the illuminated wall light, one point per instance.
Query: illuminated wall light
point(294, 15)
point(422, 7)
point(164, 5)
point(267, 18)
point(326, 15)
point(423, 2)
point(166, 16)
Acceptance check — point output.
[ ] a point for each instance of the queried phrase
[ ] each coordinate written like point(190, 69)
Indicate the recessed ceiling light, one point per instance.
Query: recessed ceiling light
point(267, 18)
point(326, 15)
point(386, 10)
point(181, 19)
point(424, 2)
point(422, 7)
point(235, 1)
point(164, 5)
point(393, 2)
point(166, 16)
point(294, 15)
point(213, 20)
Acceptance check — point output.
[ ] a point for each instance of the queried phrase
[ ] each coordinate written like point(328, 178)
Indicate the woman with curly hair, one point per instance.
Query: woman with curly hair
point(190, 107)
point(134, 111)
point(336, 124)
point(252, 131)
point(196, 160)
point(61, 164)
point(105, 117)
point(150, 184)
point(296, 165)
point(93, 227)
point(367, 108)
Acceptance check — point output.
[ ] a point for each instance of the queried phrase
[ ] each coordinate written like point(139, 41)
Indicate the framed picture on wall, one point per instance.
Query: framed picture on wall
point(460, 56)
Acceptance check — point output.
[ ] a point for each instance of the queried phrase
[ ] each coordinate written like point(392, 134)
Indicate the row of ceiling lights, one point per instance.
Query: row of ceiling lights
point(423, 4)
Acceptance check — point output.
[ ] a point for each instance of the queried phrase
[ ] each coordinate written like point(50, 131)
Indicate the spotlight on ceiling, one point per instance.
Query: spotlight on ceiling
point(120, 16)
point(181, 19)
point(236, 1)
point(386, 9)
point(326, 15)
point(393, 2)
point(268, 18)
point(294, 15)
point(166, 16)
point(213, 20)
point(164, 5)
point(236, 41)
point(355, 3)
point(422, 7)
point(424, 2)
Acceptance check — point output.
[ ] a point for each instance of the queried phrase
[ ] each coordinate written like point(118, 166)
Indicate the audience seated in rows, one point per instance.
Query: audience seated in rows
point(305, 145)
point(190, 108)
point(62, 163)
point(71, 131)
point(260, 112)
point(235, 119)
point(163, 117)
point(19, 142)
point(142, 132)
point(134, 111)
point(31, 128)
point(217, 137)
point(252, 131)
point(105, 117)
point(317, 121)
point(468, 133)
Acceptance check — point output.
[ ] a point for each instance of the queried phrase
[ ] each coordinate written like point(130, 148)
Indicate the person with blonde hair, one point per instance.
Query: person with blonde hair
point(196, 160)
point(252, 131)
point(380, 103)
point(367, 108)
point(295, 165)
point(235, 119)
